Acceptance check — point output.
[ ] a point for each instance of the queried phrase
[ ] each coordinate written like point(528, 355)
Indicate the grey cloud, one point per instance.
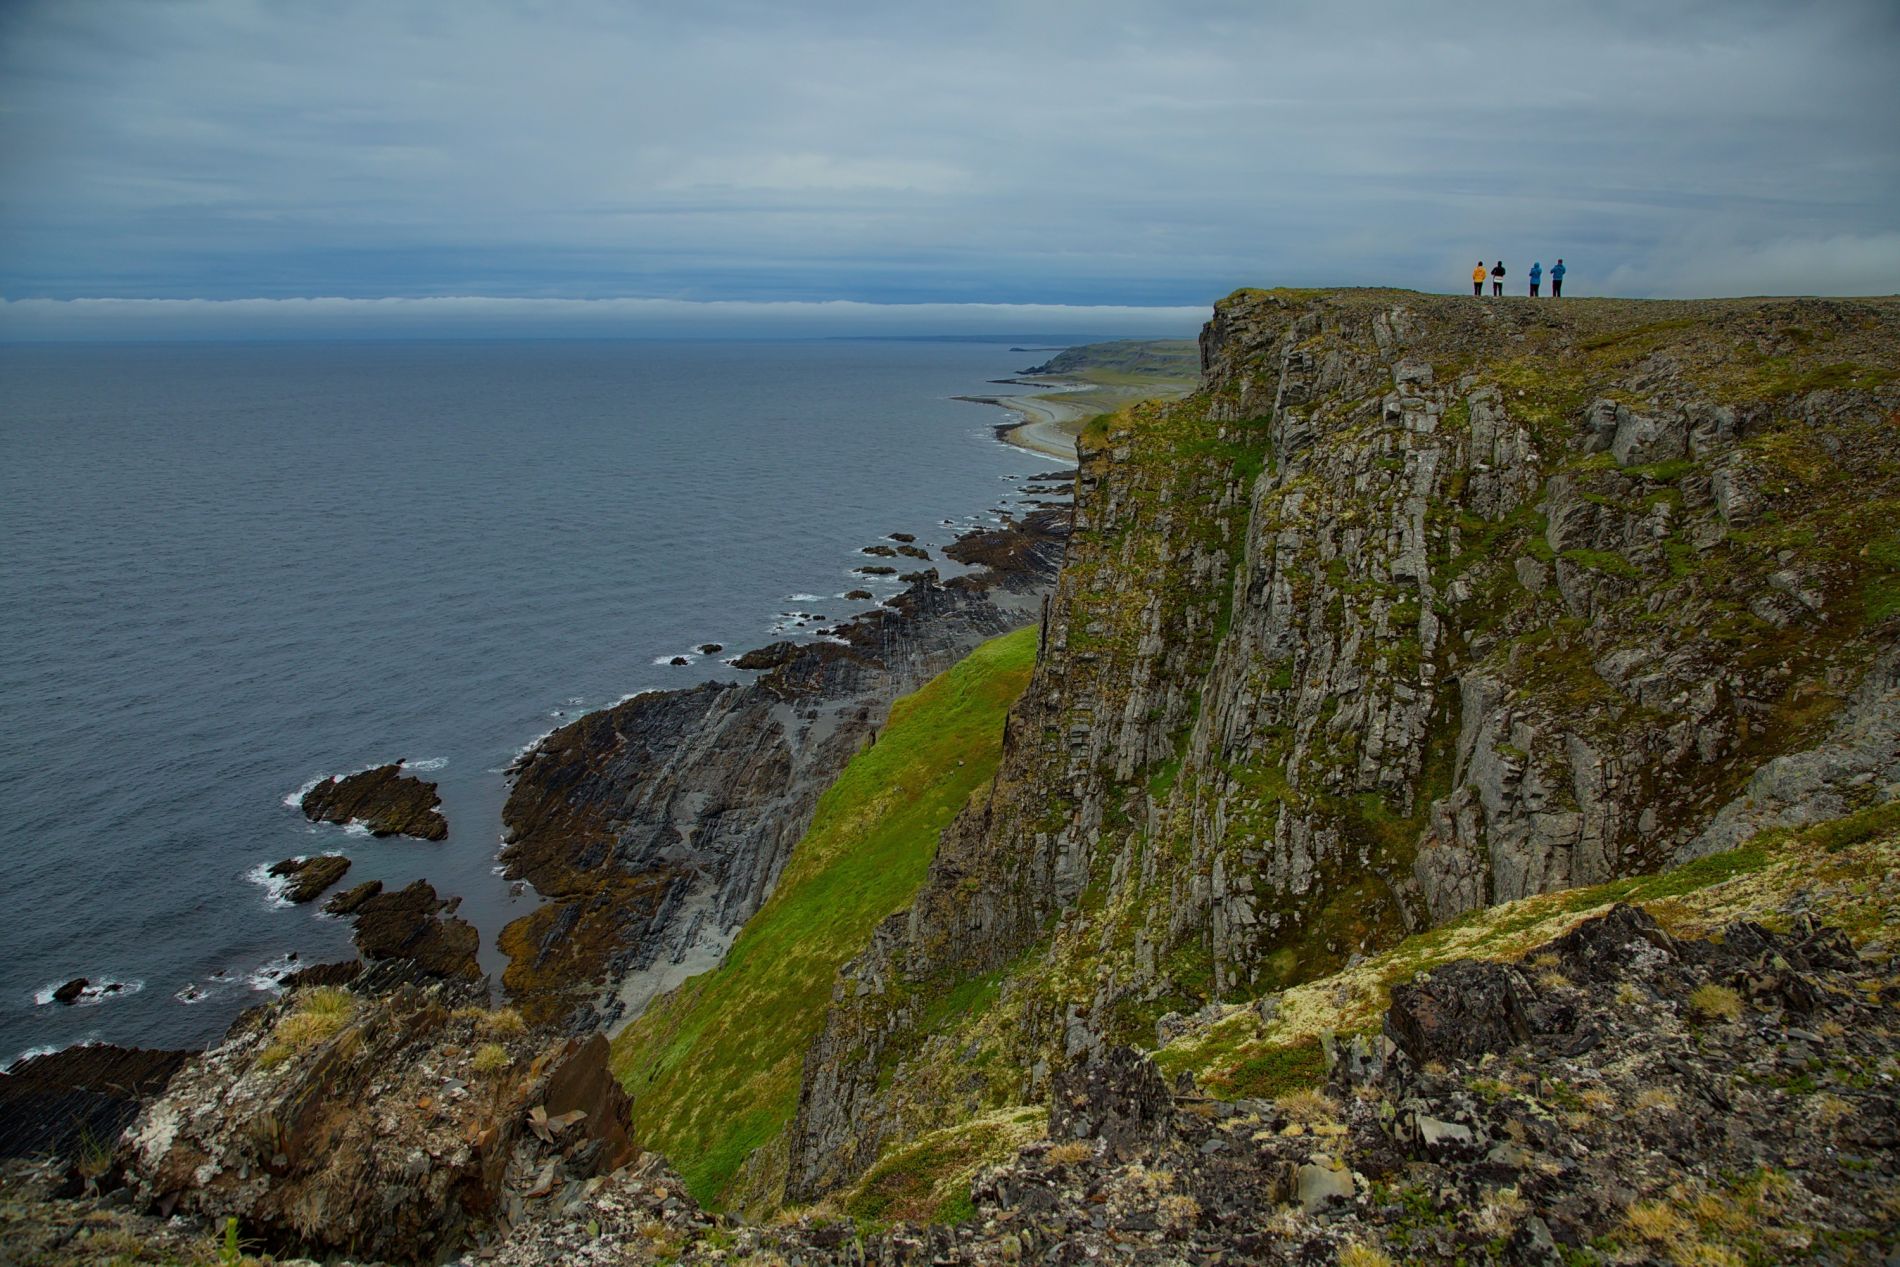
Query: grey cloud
point(1107, 152)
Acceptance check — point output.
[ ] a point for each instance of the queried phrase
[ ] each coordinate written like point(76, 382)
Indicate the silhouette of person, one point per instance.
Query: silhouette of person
point(1477, 280)
point(1497, 278)
point(1557, 279)
point(1537, 271)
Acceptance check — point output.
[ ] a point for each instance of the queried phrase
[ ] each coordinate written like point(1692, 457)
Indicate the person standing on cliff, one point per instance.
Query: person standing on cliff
point(1477, 280)
point(1497, 278)
point(1537, 271)
point(1557, 279)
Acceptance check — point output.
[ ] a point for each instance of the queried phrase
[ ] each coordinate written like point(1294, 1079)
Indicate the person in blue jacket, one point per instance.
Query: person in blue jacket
point(1537, 271)
point(1557, 279)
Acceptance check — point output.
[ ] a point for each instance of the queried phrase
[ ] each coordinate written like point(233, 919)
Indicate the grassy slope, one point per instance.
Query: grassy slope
point(714, 1067)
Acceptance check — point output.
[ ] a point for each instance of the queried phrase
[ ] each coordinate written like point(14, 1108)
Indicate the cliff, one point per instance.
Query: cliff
point(1419, 605)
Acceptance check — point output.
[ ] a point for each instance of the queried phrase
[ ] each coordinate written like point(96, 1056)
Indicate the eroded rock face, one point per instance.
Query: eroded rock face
point(657, 827)
point(387, 801)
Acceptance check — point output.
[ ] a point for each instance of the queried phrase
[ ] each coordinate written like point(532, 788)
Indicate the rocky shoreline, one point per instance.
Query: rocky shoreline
point(657, 827)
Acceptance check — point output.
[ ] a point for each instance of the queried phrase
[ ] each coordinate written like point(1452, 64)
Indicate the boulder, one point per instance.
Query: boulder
point(1117, 1096)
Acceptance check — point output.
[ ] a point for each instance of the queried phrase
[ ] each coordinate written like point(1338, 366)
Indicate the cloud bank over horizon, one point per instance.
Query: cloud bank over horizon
point(1116, 154)
point(482, 316)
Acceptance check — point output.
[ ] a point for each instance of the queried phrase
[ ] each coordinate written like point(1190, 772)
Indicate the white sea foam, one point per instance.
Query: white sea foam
point(524, 751)
point(268, 978)
point(806, 598)
point(294, 800)
point(274, 886)
point(432, 763)
point(14, 1062)
point(667, 660)
point(356, 827)
point(103, 990)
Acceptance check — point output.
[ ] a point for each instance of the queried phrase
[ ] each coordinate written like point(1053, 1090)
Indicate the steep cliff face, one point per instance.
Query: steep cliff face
point(1420, 605)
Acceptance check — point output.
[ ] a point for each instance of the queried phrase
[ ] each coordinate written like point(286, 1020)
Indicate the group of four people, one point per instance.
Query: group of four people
point(1537, 273)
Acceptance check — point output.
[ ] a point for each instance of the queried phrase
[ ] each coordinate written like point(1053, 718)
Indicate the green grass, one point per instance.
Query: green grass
point(928, 1179)
point(1882, 593)
point(714, 1067)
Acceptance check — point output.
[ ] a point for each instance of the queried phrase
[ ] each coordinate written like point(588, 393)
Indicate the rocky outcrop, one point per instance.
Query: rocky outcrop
point(1418, 606)
point(416, 927)
point(408, 1124)
point(307, 878)
point(657, 827)
point(383, 799)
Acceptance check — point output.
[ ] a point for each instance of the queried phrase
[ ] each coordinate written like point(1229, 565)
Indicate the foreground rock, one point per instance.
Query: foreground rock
point(658, 826)
point(76, 1101)
point(309, 877)
point(387, 801)
point(405, 1125)
point(1647, 1100)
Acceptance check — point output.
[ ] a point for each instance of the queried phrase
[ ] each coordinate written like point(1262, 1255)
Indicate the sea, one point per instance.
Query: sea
point(229, 570)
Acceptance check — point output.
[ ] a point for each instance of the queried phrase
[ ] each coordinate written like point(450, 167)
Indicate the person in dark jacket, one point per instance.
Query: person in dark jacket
point(1557, 279)
point(1537, 271)
point(1497, 278)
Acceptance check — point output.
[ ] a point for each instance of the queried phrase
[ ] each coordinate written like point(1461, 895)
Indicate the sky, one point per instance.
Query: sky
point(218, 167)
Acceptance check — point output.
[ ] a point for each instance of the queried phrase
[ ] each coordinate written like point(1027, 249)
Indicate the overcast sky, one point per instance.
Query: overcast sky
point(773, 156)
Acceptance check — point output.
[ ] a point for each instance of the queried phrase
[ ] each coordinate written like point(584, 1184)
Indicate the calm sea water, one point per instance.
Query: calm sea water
point(226, 570)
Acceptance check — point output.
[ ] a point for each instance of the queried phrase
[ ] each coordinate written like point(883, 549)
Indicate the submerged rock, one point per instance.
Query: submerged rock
point(387, 801)
point(70, 992)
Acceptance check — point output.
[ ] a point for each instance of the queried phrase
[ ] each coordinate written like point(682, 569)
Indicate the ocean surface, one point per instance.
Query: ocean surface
point(227, 570)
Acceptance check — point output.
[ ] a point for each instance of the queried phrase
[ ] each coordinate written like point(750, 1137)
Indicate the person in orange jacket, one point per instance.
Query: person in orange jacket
point(1477, 280)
